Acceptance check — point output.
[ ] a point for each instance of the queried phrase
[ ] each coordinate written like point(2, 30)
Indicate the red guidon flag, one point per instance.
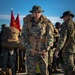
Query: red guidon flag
point(12, 21)
point(15, 23)
point(18, 23)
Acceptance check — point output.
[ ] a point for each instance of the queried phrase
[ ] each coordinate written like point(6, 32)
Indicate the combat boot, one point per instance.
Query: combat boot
point(8, 72)
point(2, 72)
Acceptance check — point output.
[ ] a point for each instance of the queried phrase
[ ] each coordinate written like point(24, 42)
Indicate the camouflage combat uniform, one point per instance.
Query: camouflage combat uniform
point(37, 36)
point(55, 62)
point(69, 52)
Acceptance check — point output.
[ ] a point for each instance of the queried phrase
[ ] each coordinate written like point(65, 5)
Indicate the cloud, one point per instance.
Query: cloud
point(55, 19)
point(52, 19)
point(5, 17)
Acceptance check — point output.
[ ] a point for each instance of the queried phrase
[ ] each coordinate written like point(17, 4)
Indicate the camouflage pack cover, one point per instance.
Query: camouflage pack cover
point(10, 34)
point(10, 38)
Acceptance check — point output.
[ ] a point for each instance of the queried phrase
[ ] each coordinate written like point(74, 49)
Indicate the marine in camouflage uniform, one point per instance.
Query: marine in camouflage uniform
point(37, 39)
point(67, 28)
point(55, 62)
point(8, 57)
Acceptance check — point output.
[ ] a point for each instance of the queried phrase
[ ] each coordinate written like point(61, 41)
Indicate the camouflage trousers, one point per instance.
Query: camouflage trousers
point(69, 63)
point(8, 60)
point(32, 61)
point(50, 56)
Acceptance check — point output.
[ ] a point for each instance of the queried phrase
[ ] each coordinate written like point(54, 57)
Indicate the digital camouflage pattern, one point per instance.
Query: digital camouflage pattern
point(37, 36)
point(67, 29)
point(8, 60)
